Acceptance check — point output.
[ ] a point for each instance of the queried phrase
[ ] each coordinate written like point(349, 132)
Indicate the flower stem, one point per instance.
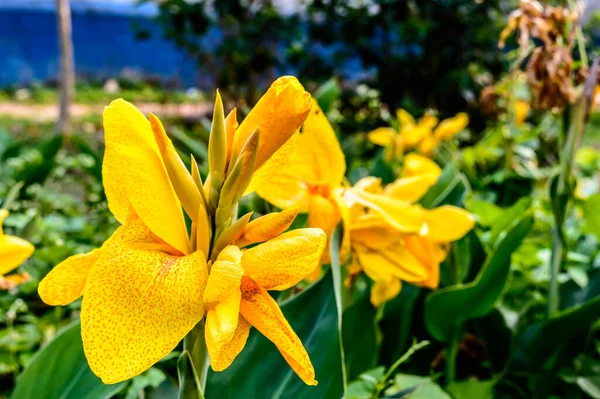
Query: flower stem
point(193, 363)
point(452, 353)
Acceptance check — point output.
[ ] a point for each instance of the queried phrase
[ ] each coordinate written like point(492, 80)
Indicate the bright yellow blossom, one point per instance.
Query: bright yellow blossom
point(143, 289)
point(13, 252)
point(424, 135)
point(313, 176)
point(521, 110)
point(394, 240)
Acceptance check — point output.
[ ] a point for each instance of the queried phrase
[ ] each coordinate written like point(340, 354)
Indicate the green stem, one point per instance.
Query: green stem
point(579, 37)
point(192, 365)
point(452, 354)
point(556, 261)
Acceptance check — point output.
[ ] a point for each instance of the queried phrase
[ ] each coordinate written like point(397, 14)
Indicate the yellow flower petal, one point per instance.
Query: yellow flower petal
point(279, 113)
point(401, 215)
point(521, 111)
point(223, 352)
point(410, 189)
point(225, 276)
point(405, 119)
point(413, 136)
point(415, 164)
point(266, 227)
point(135, 175)
point(137, 305)
point(383, 136)
point(448, 223)
point(369, 184)
point(430, 255)
point(13, 252)
point(263, 313)
point(346, 221)
point(393, 262)
point(448, 128)
point(382, 292)
point(374, 234)
point(323, 213)
point(428, 145)
point(282, 262)
point(65, 283)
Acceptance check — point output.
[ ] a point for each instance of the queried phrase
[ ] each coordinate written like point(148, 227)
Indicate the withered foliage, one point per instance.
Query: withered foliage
point(546, 34)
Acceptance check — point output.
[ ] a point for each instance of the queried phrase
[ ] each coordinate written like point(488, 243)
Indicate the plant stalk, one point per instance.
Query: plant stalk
point(193, 363)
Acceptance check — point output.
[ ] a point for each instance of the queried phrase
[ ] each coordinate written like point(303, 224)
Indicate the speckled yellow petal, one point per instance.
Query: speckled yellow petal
point(448, 128)
point(225, 276)
point(268, 226)
point(415, 164)
point(382, 292)
point(222, 353)
point(448, 223)
point(279, 113)
point(137, 305)
point(222, 323)
point(395, 261)
point(134, 175)
point(282, 262)
point(383, 136)
point(65, 283)
point(13, 252)
point(405, 119)
point(263, 313)
point(410, 189)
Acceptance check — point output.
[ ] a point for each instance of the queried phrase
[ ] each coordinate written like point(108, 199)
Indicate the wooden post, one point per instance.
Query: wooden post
point(67, 65)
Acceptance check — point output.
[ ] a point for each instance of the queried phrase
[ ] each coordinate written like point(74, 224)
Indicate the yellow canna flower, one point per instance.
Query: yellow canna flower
point(143, 289)
point(236, 297)
point(312, 177)
point(394, 240)
point(13, 250)
point(419, 135)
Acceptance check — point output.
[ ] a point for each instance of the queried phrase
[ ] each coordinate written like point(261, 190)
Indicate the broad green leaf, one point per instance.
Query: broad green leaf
point(472, 389)
point(359, 337)
point(507, 218)
point(420, 387)
point(590, 385)
point(450, 307)
point(59, 370)
point(591, 215)
point(327, 94)
point(261, 372)
point(485, 212)
point(450, 189)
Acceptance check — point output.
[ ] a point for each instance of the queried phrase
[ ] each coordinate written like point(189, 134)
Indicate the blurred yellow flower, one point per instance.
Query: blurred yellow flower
point(236, 297)
point(521, 110)
point(143, 289)
point(13, 250)
point(424, 135)
point(394, 240)
point(312, 176)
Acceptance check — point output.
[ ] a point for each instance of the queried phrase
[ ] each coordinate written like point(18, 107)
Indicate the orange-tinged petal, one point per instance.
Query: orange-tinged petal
point(415, 164)
point(279, 113)
point(263, 313)
point(13, 252)
point(383, 291)
point(428, 145)
point(383, 136)
point(448, 128)
point(135, 176)
point(284, 261)
point(377, 235)
point(223, 352)
point(65, 283)
point(410, 189)
point(430, 255)
point(225, 276)
point(266, 227)
point(521, 111)
point(324, 214)
point(137, 305)
point(448, 223)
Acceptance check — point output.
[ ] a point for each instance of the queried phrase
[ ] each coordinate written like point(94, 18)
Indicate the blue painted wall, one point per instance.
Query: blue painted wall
point(104, 44)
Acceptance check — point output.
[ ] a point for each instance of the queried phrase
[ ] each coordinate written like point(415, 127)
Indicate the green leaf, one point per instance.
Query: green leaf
point(327, 94)
point(450, 189)
point(485, 212)
point(261, 372)
point(59, 370)
point(450, 307)
point(472, 389)
point(366, 384)
point(591, 215)
point(359, 336)
point(153, 377)
point(420, 387)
